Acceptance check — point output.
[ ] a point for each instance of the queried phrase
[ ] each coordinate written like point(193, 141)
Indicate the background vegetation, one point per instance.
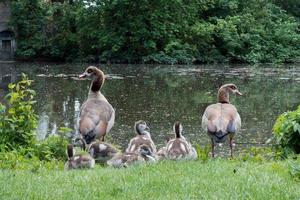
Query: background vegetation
point(174, 31)
point(19, 147)
point(287, 131)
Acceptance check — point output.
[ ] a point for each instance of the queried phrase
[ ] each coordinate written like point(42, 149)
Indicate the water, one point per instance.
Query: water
point(161, 95)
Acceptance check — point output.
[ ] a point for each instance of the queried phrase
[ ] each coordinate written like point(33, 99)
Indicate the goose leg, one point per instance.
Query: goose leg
point(101, 130)
point(212, 148)
point(231, 147)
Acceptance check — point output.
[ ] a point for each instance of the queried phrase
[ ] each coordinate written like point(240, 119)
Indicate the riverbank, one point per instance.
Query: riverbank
point(215, 179)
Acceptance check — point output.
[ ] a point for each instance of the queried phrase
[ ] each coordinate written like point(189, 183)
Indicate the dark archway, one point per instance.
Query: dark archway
point(7, 45)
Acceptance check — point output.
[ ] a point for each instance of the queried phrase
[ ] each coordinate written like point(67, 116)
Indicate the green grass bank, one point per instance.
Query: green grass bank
point(215, 179)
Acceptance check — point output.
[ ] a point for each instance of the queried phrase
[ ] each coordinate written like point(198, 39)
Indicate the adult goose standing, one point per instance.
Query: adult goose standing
point(142, 137)
point(179, 148)
point(78, 161)
point(97, 116)
point(221, 120)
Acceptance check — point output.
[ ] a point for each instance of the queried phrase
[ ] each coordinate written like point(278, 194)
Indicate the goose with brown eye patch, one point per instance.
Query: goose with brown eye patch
point(179, 148)
point(96, 116)
point(221, 120)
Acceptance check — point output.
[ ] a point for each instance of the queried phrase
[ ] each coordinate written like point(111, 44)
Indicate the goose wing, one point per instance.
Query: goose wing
point(93, 112)
point(221, 117)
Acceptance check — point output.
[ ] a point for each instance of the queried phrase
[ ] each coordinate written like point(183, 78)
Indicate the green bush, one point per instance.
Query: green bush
point(18, 121)
point(287, 131)
point(53, 147)
point(18, 129)
point(173, 31)
point(19, 160)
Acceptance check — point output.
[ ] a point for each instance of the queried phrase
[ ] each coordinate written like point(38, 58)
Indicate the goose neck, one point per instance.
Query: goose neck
point(223, 95)
point(97, 82)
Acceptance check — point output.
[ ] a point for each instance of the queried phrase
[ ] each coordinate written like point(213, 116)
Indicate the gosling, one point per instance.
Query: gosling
point(143, 155)
point(78, 161)
point(179, 148)
point(142, 137)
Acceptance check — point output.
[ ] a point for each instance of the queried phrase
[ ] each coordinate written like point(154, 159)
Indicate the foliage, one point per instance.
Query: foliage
point(287, 131)
point(295, 170)
point(53, 147)
point(260, 154)
point(202, 152)
point(174, 31)
point(18, 125)
point(258, 32)
point(29, 22)
point(18, 121)
point(291, 6)
point(19, 160)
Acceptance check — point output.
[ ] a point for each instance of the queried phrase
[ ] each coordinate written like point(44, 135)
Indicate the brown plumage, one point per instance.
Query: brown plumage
point(179, 148)
point(142, 137)
point(161, 153)
point(97, 116)
point(78, 161)
point(143, 154)
point(221, 120)
point(100, 151)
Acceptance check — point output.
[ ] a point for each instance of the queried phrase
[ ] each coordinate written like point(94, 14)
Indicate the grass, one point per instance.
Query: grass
point(215, 179)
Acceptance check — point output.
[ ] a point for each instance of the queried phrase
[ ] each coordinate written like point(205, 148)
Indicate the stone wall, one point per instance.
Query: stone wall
point(4, 14)
point(7, 40)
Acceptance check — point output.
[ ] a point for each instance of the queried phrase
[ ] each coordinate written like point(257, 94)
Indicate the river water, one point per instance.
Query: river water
point(161, 95)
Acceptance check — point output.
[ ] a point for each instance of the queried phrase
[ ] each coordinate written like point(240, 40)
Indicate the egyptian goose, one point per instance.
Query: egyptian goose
point(142, 137)
point(161, 153)
point(100, 151)
point(78, 161)
point(144, 154)
point(97, 116)
point(221, 120)
point(179, 148)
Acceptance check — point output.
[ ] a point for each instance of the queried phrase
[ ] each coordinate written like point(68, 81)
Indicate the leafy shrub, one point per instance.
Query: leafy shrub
point(17, 129)
point(158, 31)
point(53, 147)
point(18, 121)
point(19, 160)
point(287, 131)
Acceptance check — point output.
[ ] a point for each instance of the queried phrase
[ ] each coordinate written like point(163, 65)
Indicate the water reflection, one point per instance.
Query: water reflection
point(162, 95)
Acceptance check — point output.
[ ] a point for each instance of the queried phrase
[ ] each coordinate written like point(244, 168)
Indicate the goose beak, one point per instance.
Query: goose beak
point(82, 75)
point(238, 93)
